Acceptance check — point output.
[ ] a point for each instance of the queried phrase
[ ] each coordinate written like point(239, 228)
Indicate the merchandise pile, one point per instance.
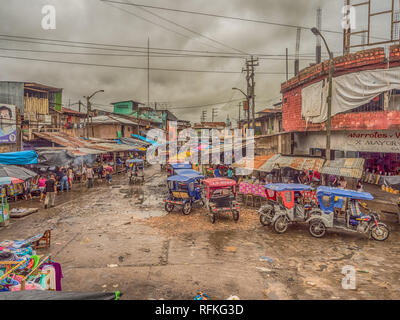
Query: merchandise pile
point(21, 268)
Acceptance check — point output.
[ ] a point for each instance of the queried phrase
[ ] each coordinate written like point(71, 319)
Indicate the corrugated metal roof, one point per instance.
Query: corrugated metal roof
point(254, 164)
point(90, 146)
point(297, 163)
point(345, 167)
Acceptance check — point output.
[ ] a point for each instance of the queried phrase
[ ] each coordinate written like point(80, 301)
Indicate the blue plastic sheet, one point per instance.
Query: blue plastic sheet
point(19, 158)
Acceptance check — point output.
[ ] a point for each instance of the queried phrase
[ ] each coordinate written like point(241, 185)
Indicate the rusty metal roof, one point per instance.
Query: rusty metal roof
point(297, 163)
point(88, 146)
point(345, 167)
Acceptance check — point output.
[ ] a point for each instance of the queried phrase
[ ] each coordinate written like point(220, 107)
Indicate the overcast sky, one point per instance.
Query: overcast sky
point(99, 22)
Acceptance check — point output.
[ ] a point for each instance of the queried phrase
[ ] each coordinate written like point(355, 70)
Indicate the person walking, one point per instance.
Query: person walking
point(42, 186)
point(63, 180)
point(70, 175)
point(51, 191)
point(90, 176)
point(100, 171)
point(109, 171)
point(27, 189)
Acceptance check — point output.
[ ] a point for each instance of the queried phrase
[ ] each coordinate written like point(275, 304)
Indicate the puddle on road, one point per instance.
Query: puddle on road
point(145, 200)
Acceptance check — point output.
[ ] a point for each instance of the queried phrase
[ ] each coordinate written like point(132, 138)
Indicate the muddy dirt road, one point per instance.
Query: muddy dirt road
point(119, 237)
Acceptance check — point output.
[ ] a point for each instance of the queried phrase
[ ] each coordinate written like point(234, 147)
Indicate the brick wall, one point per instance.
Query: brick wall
point(363, 60)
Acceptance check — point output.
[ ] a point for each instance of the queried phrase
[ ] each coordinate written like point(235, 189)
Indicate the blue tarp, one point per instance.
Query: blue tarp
point(279, 187)
point(181, 166)
point(144, 139)
point(19, 158)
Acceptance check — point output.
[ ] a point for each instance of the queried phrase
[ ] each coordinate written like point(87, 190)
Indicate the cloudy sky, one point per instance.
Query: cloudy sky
point(128, 28)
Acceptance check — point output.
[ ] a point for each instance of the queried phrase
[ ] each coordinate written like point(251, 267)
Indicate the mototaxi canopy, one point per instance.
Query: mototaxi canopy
point(279, 187)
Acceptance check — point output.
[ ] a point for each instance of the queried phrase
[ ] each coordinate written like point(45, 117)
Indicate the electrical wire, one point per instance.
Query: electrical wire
point(136, 67)
point(225, 17)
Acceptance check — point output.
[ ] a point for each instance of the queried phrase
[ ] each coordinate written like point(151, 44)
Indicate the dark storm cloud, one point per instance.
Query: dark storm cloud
point(96, 21)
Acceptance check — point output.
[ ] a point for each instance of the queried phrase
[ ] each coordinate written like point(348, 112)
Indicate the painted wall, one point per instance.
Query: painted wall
point(363, 60)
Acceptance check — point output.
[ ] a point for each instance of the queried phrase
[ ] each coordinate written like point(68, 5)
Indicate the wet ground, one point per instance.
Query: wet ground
point(118, 237)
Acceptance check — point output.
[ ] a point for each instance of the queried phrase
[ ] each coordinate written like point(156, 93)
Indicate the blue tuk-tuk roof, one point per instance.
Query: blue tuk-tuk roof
point(279, 187)
point(192, 175)
point(181, 166)
point(185, 172)
point(180, 178)
point(351, 194)
point(135, 161)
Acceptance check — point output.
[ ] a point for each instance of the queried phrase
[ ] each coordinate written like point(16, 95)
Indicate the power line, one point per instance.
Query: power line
point(161, 26)
point(40, 41)
point(153, 55)
point(224, 17)
point(135, 67)
point(195, 32)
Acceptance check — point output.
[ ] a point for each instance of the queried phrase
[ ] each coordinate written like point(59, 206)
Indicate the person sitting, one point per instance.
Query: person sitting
point(354, 209)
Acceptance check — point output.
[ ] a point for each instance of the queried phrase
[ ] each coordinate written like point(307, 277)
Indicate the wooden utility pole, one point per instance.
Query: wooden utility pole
point(248, 94)
point(214, 113)
point(80, 105)
point(88, 108)
point(19, 131)
point(250, 64)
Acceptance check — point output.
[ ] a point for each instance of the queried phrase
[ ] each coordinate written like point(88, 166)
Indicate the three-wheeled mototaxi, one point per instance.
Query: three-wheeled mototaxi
point(220, 196)
point(136, 171)
point(184, 191)
point(286, 203)
point(177, 166)
point(354, 219)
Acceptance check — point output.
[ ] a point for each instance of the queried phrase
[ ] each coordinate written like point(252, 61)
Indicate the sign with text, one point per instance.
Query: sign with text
point(8, 127)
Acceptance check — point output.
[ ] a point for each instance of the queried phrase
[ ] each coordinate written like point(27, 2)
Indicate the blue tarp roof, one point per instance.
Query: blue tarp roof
point(19, 158)
point(185, 172)
point(180, 178)
point(288, 187)
point(144, 139)
point(190, 173)
point(329, 191)
point(181, 166)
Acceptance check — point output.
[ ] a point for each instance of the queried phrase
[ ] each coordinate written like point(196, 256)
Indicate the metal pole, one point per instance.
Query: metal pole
point(148, 72)
point(287, 64)
point(328, 123)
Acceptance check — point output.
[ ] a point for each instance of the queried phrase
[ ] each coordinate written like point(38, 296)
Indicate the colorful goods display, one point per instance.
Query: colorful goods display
point(22, 269)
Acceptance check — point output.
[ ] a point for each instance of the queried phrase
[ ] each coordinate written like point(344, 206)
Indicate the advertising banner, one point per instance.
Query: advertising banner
point(8, 127)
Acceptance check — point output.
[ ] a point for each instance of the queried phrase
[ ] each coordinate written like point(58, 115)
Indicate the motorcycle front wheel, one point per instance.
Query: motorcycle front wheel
point(380, 232)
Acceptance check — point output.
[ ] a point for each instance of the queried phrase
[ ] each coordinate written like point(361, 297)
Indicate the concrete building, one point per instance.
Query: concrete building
point(365, 108)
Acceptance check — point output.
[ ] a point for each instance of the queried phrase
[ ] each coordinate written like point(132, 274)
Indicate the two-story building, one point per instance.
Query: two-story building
point(30, 105)
point(365, 108)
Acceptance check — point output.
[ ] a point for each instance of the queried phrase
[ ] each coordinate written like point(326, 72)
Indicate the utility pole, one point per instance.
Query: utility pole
point(250, 64)
point(80, 105)
point(203, 116)
point(316, 32)
point(287, 64)
point(240, 104)
point(318, 39)
point(214, 114)
point(297, 59)
point(19, 131)
point(248, 93)
point(346, 32)
point(89, 109)
point(148, 72)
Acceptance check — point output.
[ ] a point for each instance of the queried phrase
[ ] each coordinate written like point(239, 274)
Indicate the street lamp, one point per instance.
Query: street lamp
point(89, 109)
point(316, 32)
point(248, 109)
